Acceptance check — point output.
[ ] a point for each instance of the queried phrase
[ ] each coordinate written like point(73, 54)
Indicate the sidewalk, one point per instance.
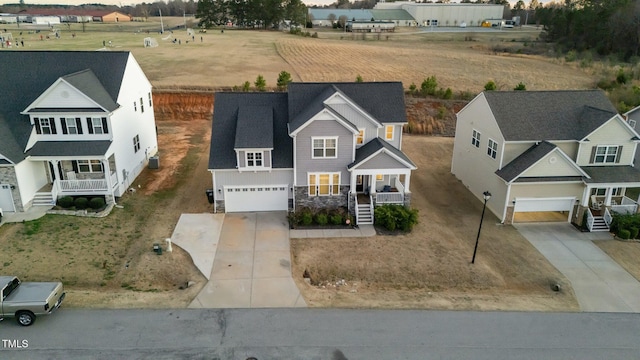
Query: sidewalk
point(361, 231)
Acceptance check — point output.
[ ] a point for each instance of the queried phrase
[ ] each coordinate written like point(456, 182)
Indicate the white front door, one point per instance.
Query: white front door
point(256, 198)
point(6, 199)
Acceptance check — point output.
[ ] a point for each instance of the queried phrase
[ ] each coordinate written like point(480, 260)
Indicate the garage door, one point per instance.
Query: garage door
point(6, 199)
point(552, 206)
point(256, 198)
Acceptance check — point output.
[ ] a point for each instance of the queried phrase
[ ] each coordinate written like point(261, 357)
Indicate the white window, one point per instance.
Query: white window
point(45, 125)
point(96, 123)
point(89, 166)
point(360, 137)
point(492, 149)
point(475, 139)
point(324, 184)
point(388, 132)
point(324, 148)
point(136, 143)
point(141, 105)
point(72, 126)
point(150, 102)
point(632, 123)
point(605, 154)
point(603, 191)
point(135, 106)
point(254, 159)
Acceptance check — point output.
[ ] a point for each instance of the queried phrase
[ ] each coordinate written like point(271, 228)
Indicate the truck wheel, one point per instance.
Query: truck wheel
point(25, 318)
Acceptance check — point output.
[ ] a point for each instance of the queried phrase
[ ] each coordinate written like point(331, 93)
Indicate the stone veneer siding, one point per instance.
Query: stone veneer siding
point(321, 202)
point(8, 176)
point(508, 219)
point(578, 214)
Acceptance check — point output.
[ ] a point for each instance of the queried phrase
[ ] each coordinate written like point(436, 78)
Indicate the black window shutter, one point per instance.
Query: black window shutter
point(74, 166)
point(53, 125)
point(105, 129)
point(37, 122)
point(618, 154)
point(593, 154)
point(90, 125)
point(79, 125)
point(63, 123)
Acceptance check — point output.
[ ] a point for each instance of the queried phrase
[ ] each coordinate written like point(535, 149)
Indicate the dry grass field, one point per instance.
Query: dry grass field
point(235, 56)
point(625, 253)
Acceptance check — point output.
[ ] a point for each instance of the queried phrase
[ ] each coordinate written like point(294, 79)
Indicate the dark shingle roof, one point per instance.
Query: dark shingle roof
point(382, 100)
point(223, 129)
point(254, 127)
point(612, 174)
point(64, 110)
point(549, 115)
point(374, 146)
point(87, 82)
point(525, 160)
point(70, 148)
point(32, 72)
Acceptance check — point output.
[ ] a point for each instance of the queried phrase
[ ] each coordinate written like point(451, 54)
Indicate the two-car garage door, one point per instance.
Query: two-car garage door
point(543, 209)
point(256, 198)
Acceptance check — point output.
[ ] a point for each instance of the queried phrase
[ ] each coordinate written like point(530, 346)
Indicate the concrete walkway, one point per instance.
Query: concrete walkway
point(252, 266)
point(600, 284)
point(198, 235)
point(361, 231)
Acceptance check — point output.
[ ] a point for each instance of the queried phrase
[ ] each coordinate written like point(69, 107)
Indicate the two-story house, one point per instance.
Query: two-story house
point(71, 123)
point(547, 156)
point(319, 145)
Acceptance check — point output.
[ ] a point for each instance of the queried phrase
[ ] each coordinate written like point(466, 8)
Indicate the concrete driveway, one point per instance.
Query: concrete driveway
point(600, 284)
point(252, 265)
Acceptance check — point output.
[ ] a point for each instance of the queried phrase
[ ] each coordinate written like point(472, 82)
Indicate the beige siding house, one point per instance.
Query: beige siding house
point(547, 156)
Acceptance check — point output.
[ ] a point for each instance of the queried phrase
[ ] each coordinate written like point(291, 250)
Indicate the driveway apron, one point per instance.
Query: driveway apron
point(252, 265)
point(600, 284)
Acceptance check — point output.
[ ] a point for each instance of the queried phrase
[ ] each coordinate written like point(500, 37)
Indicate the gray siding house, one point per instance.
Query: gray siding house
point(319, 145)
point(547, 156)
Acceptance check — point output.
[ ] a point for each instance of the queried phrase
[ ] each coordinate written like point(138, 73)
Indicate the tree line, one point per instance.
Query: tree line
point(263, 14)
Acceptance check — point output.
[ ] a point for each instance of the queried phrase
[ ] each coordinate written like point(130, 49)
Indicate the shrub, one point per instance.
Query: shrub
point(260, 83)
point(306, 217)
point(413, 88)
point(624, 234)
point(336, 219)
point(624, 221)
point(322, 219)
point(448, 94)
point(394, 217)
point(246, 86)
point(81, 203)
point(633, 232)
point(359, 79)
point(490, 86)
point(520, 87)
point(284, 78)
point(96, 203)
point(622, 77)
point(65, 202)
point(429, 86)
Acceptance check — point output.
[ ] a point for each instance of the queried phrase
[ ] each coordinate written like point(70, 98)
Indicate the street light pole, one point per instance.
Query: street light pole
point(486, 195)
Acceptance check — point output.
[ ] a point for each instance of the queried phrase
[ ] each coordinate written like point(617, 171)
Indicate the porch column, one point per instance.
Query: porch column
point(607, 198)
point(56, 174)
point(353, 182)
point(586, 196)
point(372, 183)
point(107, 177)
point(407, 181)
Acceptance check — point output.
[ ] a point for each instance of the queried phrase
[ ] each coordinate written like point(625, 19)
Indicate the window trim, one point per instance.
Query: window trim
point(89, 164)
point(70, 123)
point(386, 132)
point(141, 105)
point(314, 186)
point(136, 144)
point(475, 140)
point(616, 154)
point(491, 152)
point(254, 153)
point(324, 147)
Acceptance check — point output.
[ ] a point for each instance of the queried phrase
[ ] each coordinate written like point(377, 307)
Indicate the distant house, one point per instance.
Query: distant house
point(72, 123)
point(319, 145)
point(547, 155)
point(73, 15)
point(110, 16)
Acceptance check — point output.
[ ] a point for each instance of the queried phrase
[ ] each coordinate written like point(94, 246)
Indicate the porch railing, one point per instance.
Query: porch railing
point(590, 220)
point(389, 198)
point(91, 185)
point(626, 206)
point(398, 185)
point(357, 212)
point(114, 179)
point(607, 217)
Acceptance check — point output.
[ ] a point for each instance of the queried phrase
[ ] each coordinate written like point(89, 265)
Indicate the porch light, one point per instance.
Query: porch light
point(486, 196)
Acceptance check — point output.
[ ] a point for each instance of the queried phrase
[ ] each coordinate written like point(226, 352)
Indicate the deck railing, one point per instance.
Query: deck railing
point(590, 220)
point(91, 185)
point(389, 198)
point(607, 217)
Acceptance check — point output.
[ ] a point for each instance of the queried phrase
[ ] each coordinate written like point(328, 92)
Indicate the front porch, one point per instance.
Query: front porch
point(603, 203)
point(376, 190)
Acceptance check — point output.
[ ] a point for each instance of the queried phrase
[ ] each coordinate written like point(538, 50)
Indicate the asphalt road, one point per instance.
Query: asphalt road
point(321, 334)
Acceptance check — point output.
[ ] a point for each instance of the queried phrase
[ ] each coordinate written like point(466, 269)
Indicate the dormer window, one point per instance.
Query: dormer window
point(388, 132)
point(608, 154)
point(254, 159)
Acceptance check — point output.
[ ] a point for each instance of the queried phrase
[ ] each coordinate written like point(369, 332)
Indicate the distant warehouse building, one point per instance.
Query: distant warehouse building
point(436, 14)
point(325, 17)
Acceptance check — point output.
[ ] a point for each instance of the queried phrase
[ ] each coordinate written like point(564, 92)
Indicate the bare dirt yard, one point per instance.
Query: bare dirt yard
point(430, 267)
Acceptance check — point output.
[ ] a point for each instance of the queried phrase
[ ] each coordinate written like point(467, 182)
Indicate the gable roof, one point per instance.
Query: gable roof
point(604, 174)
point(33, 72)
point(384, 101)
point(530, 157)
point(549, 115)
point(225, 126)
point(374, 146)
point(70, 148)
point(89, 84)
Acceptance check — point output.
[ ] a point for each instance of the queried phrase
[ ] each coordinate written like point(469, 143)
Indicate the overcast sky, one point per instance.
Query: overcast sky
point(130, 2)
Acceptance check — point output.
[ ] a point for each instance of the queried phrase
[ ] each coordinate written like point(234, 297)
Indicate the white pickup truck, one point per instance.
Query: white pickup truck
point(27, 300)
